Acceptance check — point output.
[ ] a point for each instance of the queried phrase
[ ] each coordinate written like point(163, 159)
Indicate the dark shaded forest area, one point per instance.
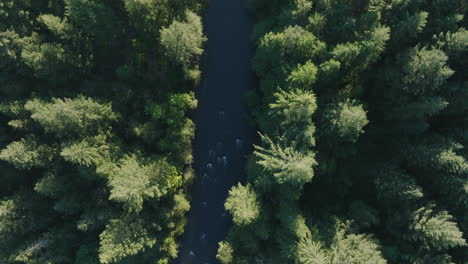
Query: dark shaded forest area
point(362, 111)
point(96, 143)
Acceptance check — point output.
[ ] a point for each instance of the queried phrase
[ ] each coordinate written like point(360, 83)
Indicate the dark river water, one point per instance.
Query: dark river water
point(223, 136)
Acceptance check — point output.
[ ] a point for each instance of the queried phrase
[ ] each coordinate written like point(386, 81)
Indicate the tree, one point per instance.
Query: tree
point(435, 229)
point(278, 53)
point(304, 76)
point(27, 154)
point(287, 165)
point(90, 151)
point(243, 204)
point(68, 117)
point(183, 42)
point(10, 44)
point(124, 237)
point(47, 60)
point(293, 111)
point(395, 187)
point(132, 183)
point(225, 253)
point(354, 249)
point(93, 17)
point(345, 121)
point(59, 27)
point(147, 17)
point(425, 72)
point(310, 252)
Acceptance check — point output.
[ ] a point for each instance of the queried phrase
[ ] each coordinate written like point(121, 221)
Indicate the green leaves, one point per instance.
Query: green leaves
point(310, 252)
point(183, 42)
point(435, 229)
point(287, 165)
point(225, 253)
point(91, 151)
point(293, 112)
point(396, 187)
point(303, 77)
point(67, 117)
point(345, 121)
point(27, 154)
point(279, 52)
point(426, 71)
point(124, 237)
point(242, 203)
point(132, 183)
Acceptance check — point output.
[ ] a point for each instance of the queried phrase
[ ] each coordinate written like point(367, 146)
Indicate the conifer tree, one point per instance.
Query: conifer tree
point(243, 205)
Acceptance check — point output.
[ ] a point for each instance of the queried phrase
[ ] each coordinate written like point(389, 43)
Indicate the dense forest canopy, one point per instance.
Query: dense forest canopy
point(362, 113)
point(362, 108)
point(96, 143)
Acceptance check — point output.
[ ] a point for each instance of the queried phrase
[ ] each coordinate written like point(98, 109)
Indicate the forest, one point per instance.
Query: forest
point(362, 113)
point(95, 136)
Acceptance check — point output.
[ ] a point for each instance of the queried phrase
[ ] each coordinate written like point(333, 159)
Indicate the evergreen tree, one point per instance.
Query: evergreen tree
point(435, 229)
point(183, 43)
point(287, 165)
point(243, 205)
point(66, 117)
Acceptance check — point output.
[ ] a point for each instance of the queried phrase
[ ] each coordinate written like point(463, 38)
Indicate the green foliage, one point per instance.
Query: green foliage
point(287, 165)
point(92, 151)
point(426, 71)
point(10, 44)
point(344, 121)
point(76, 78)
point(242, 203)
point(26, 154)
point(55, 24)
point(279, 52)
point(355, 249)
point(66, 117)
point(310, 252)
point(396, 187)
point(124, 237)
point(293, 111)
point(132, 183)
point(47, 60)
point(225, 253)
point(304, 76)
point(435, 229)
point(183, 42)
point(94, 17)
point(385, 84)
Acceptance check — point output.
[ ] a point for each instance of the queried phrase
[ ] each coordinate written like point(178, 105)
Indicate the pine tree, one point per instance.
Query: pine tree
point(243, 204)
point(183, 43)
point(293, 111)
point(278, 53)
point(67, 117)
point(124, 237)
point(225, 253)
point(435, 229)
point(287, 165)
point(354, 249)
point(344, 121)
point(395, 187)
point(310, 252)
point(89, 152)
point(27, 153)
point(132, 183)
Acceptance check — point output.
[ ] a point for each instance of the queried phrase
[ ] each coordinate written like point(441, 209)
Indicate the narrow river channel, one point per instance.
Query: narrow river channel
point(223, 136)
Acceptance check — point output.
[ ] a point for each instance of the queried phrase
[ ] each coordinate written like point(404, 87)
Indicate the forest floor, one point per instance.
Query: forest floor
point(223, 137)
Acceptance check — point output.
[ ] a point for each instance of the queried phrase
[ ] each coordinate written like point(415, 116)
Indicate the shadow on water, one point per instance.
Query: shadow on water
point(223, 136)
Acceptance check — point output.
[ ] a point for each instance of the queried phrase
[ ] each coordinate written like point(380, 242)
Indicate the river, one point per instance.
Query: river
point(223, 137)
